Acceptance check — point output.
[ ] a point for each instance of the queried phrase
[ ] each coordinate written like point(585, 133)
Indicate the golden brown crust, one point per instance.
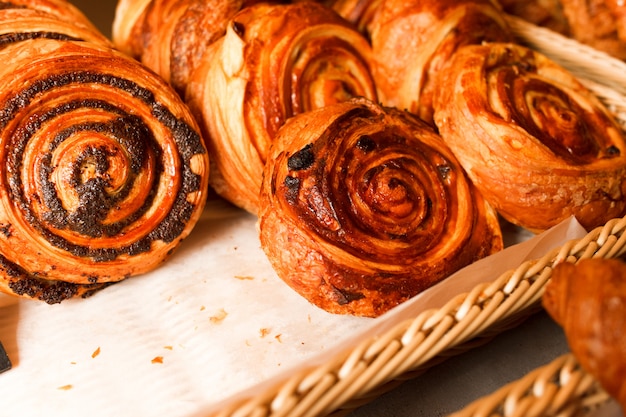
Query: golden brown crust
point(537, 143)
point(275, 61)
point(363, 207)
point(545, 13)
point(413, 40)
point(589, 301)
point(598, 23)
point(104, 169)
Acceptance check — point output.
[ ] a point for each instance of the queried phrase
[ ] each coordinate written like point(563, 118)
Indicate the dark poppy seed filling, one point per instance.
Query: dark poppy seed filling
point(95, 199)
point(8, 38)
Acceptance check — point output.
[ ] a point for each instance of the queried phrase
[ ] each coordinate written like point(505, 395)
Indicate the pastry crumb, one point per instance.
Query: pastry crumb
point(66, 387)
point(264, 332)
point(219, 316)
point(157, 359)
point(96, 352)
point(244, 278)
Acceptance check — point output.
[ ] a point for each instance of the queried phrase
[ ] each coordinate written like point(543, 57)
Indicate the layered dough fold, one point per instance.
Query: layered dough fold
point(363, 207)
point(538, 144)
point(275, 61)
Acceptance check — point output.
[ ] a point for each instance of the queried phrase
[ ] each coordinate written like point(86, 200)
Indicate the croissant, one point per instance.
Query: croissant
point(170, 36)
point(588, 300)
point(363, 207)
point(105, 171)
point(413, 40)
point(534, 140)
point(275, 61)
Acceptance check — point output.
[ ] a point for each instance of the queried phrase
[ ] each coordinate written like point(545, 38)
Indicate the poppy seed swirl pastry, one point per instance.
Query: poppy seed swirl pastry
point(538, 144)
point(104, 169)
point(363, 207)
point(274, 61)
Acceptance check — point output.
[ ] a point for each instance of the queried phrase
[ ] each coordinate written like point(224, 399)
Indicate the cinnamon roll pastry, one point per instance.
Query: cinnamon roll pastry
point(275, 61)
point(534, 140)
point(413, 40)
point(588, 300)
point(170, 36)
point(104, 171)
point(363, 207)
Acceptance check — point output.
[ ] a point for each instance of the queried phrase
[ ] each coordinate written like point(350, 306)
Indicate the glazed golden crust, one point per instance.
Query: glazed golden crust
point(413, 40)
point(598, 23)
point(105, 171)
point(170, 36)
point(275, 61)
point(545, 13)
point(539, 145)
point(363, 207)
point(589, 301)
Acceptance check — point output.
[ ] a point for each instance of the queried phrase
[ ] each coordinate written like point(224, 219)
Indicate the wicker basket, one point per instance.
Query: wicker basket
point(376, 365)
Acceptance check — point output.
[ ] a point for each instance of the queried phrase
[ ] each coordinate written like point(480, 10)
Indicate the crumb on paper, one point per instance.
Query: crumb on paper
point(96, 352)
point(66, 387)
point(264, 332)
point(219, 316)
point(278, 337)
point(244, 278)
point(157, 359)
point(202, 308)
point(168, 347)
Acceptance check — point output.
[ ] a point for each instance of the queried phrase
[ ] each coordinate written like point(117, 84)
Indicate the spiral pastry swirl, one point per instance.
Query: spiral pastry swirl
point(104, 169)
point(275, 61)
point(363, 207)
point(536, 142)
point(24, 20)
point(413, 40)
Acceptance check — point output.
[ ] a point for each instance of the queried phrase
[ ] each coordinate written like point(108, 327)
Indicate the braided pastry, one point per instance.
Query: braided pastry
point(588, 300)
point(413, 40)
point(363, 207)
point(275, 61)
point(535, 141)
point(104, 169)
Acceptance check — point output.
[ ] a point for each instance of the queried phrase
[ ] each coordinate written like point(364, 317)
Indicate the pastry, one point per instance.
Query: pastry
point(29, 20)
point(598, 23)
point(545, 13)
point(105, 171)
point(363, 207)
point(361, 13)
point(275, 61)
point(534, 140)
point(588, 300)
point(170, 36)
point(413, 40)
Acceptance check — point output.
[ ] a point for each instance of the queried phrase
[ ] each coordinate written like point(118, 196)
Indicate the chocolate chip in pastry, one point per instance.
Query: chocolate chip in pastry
point(363, 207)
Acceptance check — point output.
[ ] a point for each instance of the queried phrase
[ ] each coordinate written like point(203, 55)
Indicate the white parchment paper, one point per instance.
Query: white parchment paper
point(213, 323)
